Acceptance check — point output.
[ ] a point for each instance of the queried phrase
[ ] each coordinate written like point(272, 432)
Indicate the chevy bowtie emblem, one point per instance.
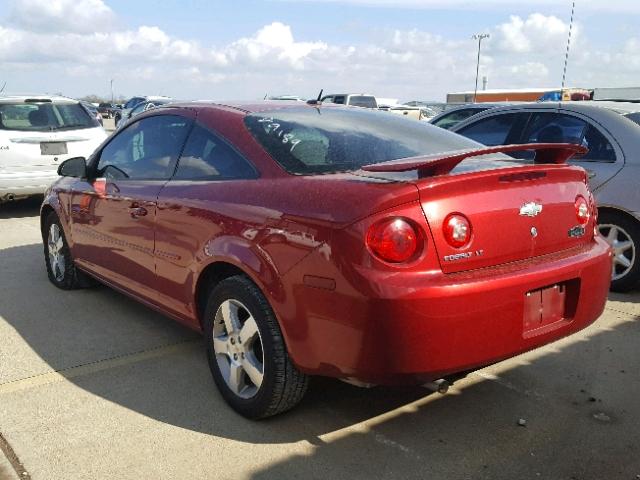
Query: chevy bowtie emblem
point(530, 209)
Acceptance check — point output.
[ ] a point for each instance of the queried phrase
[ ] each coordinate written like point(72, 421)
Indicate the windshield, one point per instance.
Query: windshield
point(45, 116)
point(133, 102)
point(305, 140)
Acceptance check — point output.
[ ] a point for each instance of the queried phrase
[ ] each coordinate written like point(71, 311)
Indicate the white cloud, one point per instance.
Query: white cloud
point(272, 44)
point(80, 16)
point(537, 33)
point(404, 63)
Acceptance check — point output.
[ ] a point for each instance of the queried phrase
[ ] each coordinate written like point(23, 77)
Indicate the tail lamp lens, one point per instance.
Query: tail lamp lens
point(457, 230)
point(393, 240)
point(583, 212)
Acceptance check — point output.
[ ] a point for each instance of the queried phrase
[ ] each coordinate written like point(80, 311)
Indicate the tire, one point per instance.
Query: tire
point(61, 269)
point(623, 234)
point(251, 391)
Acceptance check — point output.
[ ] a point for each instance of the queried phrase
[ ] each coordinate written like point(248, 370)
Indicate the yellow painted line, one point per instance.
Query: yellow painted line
point(99, 366)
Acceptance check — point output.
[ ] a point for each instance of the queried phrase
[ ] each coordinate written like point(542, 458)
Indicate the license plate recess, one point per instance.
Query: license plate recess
point(546, 308)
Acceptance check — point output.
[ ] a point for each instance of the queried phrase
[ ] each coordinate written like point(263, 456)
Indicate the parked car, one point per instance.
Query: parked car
point(140, 108)
point(92, 110)
point(354, 99)
point(133, 102)
point(37, 133)
point(325, 240)
point(436, 107)
point(295, 98)
point(611, 132)
point(410, 112)
point(108, 110)
point(452, 116)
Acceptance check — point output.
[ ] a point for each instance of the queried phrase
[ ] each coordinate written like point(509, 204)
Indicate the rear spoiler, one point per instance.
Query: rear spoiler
point(443, 163)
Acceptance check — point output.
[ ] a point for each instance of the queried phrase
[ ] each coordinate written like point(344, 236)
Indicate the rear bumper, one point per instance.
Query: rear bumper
point(419, 329)
point(25, 184)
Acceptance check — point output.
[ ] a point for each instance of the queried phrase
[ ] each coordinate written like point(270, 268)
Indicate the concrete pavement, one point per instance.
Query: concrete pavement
point(96, 386)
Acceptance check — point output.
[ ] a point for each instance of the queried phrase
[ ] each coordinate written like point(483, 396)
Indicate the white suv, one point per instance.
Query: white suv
point(37, 133)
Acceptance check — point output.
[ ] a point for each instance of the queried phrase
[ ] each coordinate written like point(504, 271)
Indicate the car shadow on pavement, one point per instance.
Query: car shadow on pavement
point(122, 351)
point(21, 208)
point(574, 395)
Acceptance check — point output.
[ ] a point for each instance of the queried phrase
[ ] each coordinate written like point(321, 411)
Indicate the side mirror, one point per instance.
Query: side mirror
point(73, 167)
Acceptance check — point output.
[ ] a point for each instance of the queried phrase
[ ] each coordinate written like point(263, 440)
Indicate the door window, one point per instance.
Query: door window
point(145, 150)
point(450, 119)
point(551, 127)
point(490, 131)
point(207, 157)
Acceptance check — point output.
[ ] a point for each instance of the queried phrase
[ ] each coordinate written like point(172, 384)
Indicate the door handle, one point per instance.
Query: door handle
point(136, 212)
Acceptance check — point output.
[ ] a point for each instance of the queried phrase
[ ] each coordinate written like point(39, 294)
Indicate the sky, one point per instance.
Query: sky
point(246, 49)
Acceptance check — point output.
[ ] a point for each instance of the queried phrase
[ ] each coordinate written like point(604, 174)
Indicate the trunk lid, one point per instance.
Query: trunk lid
point(515, 213)
point(23, 151)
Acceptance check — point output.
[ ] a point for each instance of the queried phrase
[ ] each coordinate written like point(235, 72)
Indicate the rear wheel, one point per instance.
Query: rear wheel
point(61, 270)
point(246, 352)
point(623, 234)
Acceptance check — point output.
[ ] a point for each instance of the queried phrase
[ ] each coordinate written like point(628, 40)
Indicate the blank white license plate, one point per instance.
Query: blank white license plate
point(53, 148)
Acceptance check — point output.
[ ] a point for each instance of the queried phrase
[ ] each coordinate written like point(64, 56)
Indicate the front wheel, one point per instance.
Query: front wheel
point(61, 270)
point(623, 234)
point(246, 352)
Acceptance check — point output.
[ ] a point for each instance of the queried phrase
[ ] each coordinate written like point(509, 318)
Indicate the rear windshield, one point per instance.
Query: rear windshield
point(46, 116)
point(635, 117)
point(362, 101)
point(307, 141)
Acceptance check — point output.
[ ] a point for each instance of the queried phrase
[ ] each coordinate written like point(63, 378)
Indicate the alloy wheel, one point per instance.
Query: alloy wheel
point(624, 250)
point(55, 244)
point(238, 348)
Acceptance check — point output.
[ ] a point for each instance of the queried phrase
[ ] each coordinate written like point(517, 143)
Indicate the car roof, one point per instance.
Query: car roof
point(585, 106)
point(252, 106)
point(347, 94)
point(36, 97)
point(479, 105)
point(620, 107)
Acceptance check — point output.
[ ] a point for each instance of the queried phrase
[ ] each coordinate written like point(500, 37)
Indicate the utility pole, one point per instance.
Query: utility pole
point(479, 37)
point(111, 82)
point(566, 55)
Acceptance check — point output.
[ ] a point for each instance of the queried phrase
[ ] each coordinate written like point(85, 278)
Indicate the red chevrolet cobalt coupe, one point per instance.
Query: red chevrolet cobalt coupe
point(305, 239)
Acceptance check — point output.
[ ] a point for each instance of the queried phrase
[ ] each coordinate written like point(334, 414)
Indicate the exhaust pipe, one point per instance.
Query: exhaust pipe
point(441, 386)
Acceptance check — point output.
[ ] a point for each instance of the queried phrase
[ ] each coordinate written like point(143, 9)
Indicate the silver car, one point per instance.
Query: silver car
point(611, 131)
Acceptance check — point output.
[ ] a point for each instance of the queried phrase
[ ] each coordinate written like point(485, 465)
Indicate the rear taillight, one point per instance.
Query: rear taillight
point(394, 240)
point(583, 211)
point(457, 230)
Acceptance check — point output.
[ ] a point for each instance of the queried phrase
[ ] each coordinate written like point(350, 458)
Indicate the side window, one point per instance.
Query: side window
point(145, 150)
point(562, 128)
point(490, 131)
point(453, 118)
point(207, 157)
point(339, 99)
point(600, 149)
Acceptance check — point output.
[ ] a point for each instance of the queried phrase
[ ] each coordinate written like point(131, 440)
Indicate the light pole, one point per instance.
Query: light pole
point(111, 82)
point(566, 55)
point(479, 37)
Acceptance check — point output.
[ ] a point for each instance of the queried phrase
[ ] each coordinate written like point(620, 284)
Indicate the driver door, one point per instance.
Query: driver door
point(113, 218)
